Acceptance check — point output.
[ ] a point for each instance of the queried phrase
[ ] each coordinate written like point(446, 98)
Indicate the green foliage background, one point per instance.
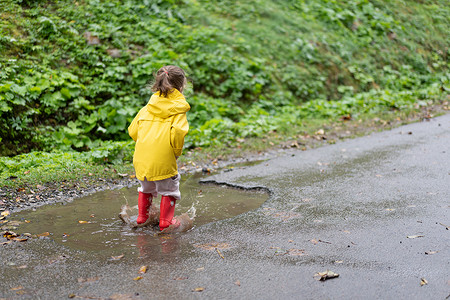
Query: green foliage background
point(74, 73)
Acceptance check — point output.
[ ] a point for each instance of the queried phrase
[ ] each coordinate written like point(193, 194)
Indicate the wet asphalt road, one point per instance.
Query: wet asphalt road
point(369, 209)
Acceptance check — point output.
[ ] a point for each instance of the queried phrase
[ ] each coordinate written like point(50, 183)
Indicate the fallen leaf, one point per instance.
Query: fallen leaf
point(237, 282)
point(295, 144)
point(143, 270)
point(346, 117)
point(220, 254)
point(325, 242)
point(320, 131)
point(181, 278)
point(84, 222)
point(26, 172)
point(198, 289)
point(138, 278)
point(117, 257)
point(17, 288)
point(322, 276)
point(414, 236)
point(423, 281)
point(44, 234)
point(446, 227)
point(10, 235)
point(20, 239)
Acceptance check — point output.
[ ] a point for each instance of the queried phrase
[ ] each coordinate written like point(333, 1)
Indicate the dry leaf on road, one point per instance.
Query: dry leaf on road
point(414, 236)
point(322, 276)
point(423, 281)
point(220, 254)
point(117, 257)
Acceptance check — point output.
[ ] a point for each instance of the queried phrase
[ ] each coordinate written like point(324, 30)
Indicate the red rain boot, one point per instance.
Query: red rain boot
point(167, 210)
point(144, 202)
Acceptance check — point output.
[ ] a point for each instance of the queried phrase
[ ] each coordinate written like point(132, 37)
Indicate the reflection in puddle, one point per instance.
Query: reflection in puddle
point(91, 223)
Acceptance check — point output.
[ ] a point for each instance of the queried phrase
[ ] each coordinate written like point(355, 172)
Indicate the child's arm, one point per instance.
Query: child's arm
point(133, 128)
point(178, 131)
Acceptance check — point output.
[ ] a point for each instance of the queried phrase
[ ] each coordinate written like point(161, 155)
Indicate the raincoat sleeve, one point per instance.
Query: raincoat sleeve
point(133, 128)
point(178, 131)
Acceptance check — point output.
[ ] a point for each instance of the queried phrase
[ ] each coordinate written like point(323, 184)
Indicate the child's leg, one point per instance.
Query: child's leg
point(146, 192)
point(170, 190)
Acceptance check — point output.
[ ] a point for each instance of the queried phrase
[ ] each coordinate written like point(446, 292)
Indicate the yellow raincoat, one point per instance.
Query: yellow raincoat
point(159, 130)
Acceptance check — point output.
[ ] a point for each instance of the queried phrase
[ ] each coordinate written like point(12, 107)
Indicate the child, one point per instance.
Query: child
point(159, 130)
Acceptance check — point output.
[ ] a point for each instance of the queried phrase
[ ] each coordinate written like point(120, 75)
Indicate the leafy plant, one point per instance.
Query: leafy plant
point(74, 74)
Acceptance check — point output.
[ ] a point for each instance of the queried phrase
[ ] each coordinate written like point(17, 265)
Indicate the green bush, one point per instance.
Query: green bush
point(74, 74)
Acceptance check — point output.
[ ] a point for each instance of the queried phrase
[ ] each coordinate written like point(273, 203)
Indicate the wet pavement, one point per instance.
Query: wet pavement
point(375, 210)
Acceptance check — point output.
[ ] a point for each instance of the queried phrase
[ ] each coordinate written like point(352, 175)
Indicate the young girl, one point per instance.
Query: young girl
point(159, 130)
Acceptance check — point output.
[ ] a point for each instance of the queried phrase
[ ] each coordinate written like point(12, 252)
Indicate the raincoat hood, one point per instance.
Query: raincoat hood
point(164, 107)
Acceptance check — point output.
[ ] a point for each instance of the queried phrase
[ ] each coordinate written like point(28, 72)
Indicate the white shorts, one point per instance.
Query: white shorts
point(165, 187)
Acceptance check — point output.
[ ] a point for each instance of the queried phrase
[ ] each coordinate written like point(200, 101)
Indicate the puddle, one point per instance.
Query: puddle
point(91, 223)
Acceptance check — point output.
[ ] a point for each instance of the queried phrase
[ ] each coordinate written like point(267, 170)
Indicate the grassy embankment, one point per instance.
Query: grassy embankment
point(73, 74)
